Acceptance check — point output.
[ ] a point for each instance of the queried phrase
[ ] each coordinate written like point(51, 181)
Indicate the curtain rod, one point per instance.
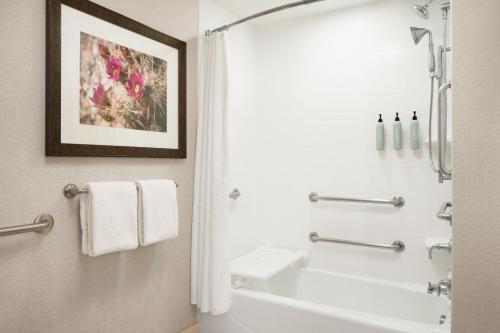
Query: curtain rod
point(265, 12)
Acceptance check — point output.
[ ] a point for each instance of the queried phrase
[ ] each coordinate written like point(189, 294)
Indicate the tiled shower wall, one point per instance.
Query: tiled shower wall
point(322, 81)
point(305, 95)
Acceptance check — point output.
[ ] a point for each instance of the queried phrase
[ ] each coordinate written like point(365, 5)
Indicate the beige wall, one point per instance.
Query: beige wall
point(46, 285)
point(476, 162)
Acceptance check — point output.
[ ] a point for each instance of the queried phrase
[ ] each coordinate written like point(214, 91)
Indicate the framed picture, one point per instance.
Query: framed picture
point(114, 87)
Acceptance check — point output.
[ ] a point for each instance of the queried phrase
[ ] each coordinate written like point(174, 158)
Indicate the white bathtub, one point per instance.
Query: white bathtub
point(304, 300)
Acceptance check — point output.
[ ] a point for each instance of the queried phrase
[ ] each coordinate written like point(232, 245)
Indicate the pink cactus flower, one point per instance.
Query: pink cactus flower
point(113, 68)
point(135, 85)
point(99, 97)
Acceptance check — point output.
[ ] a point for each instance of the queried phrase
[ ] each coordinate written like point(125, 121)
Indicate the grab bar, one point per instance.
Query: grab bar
point(397, 246)
point(396, 201)
point(444, 172)
point(43, 224)
point(70, 191)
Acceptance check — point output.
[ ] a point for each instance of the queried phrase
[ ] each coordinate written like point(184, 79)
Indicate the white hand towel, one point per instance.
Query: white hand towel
point(158, 215)
point(108, 214)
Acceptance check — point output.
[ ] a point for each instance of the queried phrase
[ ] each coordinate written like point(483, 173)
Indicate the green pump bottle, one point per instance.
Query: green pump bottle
point(414, 137)
point(397, 135)
point(380, 138)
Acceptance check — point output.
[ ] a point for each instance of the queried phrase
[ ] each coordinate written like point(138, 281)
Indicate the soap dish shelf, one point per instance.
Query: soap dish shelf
point(264, 263)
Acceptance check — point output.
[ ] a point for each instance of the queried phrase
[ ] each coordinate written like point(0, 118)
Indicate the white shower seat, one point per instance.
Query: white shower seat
point(264, 263)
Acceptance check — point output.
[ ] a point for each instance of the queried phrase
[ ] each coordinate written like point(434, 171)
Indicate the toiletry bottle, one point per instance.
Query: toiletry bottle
point(415, 140)
point(396, 133)
point(380, 134)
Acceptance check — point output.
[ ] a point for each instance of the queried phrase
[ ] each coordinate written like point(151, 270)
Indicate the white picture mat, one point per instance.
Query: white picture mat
point(72, 23)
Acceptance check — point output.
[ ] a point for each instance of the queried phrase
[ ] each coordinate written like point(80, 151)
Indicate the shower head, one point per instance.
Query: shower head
point(422, 10)
point(418, 34)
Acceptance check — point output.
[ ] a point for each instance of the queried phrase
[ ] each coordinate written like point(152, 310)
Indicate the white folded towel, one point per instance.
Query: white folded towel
point(158, 216)
point(108, 214)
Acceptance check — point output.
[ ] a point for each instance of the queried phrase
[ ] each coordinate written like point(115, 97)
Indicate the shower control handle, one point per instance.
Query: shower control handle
point(443, 287)
point(433, 288)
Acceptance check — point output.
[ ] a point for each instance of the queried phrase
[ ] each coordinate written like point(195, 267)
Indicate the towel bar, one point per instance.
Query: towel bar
point(71, 190)
point(43, 224)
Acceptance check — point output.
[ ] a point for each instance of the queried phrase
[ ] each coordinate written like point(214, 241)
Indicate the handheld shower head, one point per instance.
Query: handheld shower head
point(418, 34)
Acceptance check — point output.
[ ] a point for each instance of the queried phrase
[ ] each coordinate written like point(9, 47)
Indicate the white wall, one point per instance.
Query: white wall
point(322, 80)
point(310, 126)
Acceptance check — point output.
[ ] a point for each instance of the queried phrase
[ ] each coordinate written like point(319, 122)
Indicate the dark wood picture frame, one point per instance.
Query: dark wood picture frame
point(53, 145)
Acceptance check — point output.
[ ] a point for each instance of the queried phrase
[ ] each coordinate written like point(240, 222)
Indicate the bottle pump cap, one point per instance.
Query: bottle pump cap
point(397, 116)
point(414, 115)
point(379, 118)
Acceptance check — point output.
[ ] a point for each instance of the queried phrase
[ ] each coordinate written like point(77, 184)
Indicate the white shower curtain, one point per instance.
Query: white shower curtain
point(210, 261)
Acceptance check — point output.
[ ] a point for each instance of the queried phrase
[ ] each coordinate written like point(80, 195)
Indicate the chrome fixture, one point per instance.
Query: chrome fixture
point(445, 7)
point(444, 213)
point(235, 194)
point(43, 224)
point(439, 72)
point(418, 34)
point(396, 201)
point(443, 287)
point(70, 191)
point(422, 10)
point(259, 14)
point(442, 116)
point(440, 247)
point(397, 246)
